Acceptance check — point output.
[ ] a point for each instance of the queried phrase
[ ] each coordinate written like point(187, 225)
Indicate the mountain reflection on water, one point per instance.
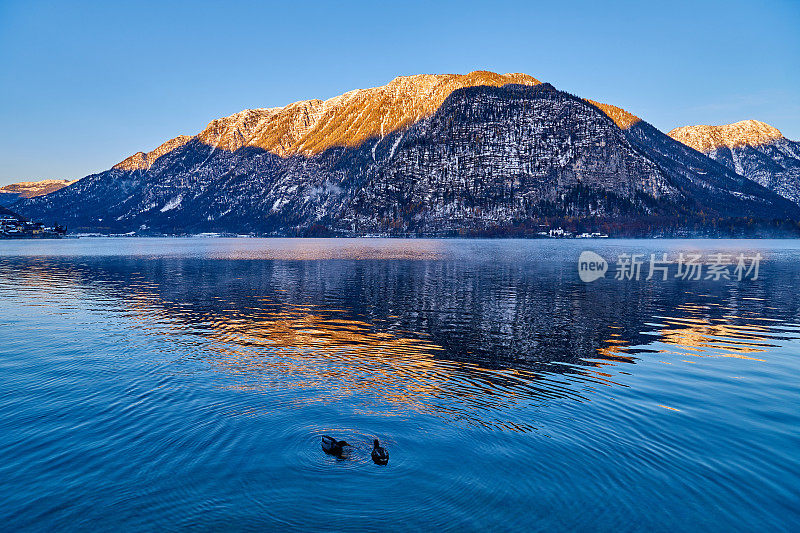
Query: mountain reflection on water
point(482, 335)
point(467, 339)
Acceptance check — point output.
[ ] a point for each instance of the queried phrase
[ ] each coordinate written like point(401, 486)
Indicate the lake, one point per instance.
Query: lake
point(171, 383)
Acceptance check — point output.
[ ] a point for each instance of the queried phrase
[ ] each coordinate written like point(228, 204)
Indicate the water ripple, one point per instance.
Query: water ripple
point(190, 388)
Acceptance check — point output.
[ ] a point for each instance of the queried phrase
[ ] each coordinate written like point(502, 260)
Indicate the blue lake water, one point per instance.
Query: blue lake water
point(170, 383)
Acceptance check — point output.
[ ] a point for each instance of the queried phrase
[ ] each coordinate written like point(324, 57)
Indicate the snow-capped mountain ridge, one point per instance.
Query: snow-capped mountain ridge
point(705, 138)
point(30, 189)
point(141, 160)
point(751, 148)
point(495, 158)
point(310, 127)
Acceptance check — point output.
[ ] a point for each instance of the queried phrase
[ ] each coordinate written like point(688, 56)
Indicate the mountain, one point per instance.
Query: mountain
point(28, 189)
point(431, 154)
point(7, 213)
point(751, 148)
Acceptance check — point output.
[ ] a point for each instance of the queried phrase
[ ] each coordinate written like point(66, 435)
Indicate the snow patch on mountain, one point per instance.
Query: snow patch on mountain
point(172, 204)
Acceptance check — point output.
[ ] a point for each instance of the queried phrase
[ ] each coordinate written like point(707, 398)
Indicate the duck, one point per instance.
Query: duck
point(380, 456)
point(338, 448)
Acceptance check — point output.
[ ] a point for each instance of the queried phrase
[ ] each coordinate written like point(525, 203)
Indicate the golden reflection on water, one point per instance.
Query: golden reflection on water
point(281, 348)
point(694, 332)
point(698, 335)
point(615, 348)
point(312, 350)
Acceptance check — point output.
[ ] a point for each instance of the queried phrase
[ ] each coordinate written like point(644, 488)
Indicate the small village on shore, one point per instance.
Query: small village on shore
point(561, 233)
point(14, 227)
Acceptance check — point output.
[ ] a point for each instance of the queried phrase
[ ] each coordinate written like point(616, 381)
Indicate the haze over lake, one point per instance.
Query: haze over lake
point(166, 383)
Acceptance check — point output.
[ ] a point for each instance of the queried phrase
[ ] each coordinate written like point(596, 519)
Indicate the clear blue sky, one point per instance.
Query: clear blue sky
point(84, 85)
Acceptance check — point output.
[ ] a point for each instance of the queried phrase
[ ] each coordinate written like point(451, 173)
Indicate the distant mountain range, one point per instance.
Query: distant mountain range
point(751, 148)
point(28, 189)
point(475, 154)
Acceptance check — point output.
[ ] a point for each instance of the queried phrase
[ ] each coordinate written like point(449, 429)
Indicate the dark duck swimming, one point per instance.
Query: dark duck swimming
point(380, 456)
point(338, 448)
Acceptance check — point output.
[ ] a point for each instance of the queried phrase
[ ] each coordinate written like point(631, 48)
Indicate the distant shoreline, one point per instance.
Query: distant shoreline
point(414, 237)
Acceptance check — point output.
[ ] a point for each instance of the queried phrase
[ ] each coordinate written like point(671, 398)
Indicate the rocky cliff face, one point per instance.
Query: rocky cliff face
point(423, 154)
point(751, 148)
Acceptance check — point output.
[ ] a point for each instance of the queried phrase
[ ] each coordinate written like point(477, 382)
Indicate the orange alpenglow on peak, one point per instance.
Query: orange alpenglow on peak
point(310, 127)
point(31, 189)
point(146, 160)
point(621, 118)
point(707, 138)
